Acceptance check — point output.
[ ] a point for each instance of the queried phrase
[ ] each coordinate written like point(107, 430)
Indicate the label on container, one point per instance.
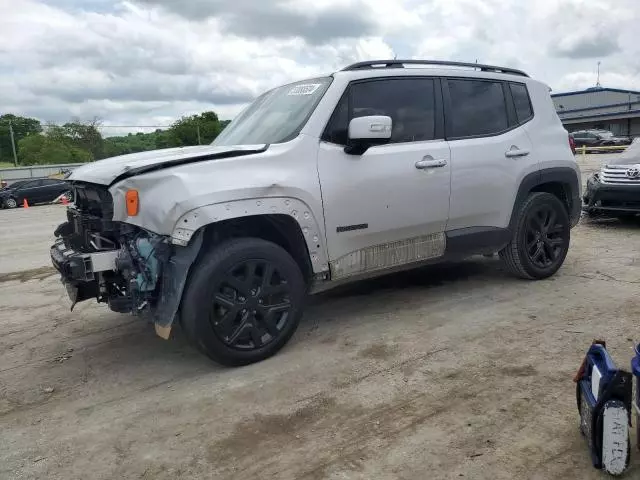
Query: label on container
point(596, 376)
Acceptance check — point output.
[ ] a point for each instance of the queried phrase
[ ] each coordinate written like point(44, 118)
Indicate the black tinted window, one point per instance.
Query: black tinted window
point(408, 101)
point(336, 131)
point(477, 108)
point(521, 101)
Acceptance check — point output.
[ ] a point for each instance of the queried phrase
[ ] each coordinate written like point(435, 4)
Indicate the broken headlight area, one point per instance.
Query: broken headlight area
point(116, 263)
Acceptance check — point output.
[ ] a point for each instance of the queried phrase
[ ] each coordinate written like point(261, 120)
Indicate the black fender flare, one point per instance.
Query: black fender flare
point(566, 176)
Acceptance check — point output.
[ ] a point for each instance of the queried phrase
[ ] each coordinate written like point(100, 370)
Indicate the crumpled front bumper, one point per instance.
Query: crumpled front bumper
point(78, 269)
point(112, 276)
point(81, 267)
point(610, 198)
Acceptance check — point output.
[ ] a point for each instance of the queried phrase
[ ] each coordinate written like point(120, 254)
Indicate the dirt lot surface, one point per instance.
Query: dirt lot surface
point(455, 371)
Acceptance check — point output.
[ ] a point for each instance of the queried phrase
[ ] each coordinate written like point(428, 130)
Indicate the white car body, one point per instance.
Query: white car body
point(394, 206)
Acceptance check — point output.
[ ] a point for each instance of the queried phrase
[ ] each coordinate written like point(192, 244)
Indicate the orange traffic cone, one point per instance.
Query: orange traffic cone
point(25, 204)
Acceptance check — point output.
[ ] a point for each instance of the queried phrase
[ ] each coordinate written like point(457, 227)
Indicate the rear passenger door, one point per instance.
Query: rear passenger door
point(30, 191)
point(51, 189)
point(490, 149)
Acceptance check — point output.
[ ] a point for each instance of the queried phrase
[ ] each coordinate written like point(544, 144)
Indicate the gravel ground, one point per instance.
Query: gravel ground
point(454, 371)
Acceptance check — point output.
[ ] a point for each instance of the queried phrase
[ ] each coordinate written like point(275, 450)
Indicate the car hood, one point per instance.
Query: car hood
point(114, 169)
point(631, 156)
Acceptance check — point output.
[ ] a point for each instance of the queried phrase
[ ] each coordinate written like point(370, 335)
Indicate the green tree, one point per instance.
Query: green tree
point(137, 142)
point(85, 136)
point(22, 127)
point(195, 129)
point(43, 149)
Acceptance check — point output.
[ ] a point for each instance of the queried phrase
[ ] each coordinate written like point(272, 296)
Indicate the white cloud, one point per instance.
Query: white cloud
point(145, 62)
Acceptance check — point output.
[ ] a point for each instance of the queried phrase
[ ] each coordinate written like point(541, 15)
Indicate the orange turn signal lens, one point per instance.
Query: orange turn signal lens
point(133, 203)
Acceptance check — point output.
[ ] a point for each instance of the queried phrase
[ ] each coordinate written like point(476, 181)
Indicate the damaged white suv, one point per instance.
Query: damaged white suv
point(384, 165)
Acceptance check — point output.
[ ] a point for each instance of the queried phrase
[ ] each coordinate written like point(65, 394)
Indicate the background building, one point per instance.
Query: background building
point(597, 107)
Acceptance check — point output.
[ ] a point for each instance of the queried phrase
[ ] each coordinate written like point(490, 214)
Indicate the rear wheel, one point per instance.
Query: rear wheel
point(243, 301)
point(10, 202)
point(541, 238)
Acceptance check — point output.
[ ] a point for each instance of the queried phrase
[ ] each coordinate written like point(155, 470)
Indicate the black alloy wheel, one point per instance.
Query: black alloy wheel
point(540, 238)
point(243, 300)
point(545, 236)
point(251, 304)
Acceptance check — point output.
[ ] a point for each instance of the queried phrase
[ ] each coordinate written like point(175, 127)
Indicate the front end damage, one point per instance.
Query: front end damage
point(129, 268)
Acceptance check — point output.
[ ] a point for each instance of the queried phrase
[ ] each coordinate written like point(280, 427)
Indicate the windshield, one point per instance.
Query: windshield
point(276, 116)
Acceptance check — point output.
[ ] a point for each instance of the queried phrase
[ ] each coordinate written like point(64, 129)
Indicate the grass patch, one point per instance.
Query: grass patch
point(6, 165)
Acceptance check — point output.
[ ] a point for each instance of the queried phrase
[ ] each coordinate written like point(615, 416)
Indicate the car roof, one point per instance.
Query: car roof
point(429, 72)
point(394, 68)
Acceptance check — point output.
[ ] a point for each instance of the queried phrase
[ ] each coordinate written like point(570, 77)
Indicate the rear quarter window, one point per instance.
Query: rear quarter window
point(521, 101)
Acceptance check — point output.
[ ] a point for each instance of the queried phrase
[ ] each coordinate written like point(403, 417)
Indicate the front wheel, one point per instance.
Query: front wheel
point(243, 301)
point(541, 238)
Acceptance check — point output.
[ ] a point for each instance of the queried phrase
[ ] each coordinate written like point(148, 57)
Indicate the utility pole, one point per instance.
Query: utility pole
point(198, 130)
point(13, 145)
point(598, 79)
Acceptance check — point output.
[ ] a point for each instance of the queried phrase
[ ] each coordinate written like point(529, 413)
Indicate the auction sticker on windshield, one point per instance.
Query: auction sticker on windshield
point(305, 89)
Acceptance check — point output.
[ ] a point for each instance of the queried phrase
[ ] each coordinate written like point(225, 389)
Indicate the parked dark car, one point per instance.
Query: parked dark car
point(615, 189)
point(598, 138)
point(43, 190)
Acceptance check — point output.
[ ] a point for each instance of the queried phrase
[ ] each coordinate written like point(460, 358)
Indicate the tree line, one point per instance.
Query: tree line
point(78, 142)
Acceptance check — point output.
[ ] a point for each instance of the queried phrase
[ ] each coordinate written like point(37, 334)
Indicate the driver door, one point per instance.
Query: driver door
point(389, 206)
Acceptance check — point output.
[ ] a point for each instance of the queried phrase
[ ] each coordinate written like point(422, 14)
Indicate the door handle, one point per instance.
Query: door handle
point(430, 163)
point(515, 152)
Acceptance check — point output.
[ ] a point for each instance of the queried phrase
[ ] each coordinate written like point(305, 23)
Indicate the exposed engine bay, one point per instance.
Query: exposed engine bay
point(118, 263)
point(114, 262)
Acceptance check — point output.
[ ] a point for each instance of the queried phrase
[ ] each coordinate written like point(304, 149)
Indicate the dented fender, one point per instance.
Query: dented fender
point(189, 223)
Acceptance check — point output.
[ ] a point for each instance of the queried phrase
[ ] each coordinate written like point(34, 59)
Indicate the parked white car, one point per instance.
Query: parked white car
point(372, 169)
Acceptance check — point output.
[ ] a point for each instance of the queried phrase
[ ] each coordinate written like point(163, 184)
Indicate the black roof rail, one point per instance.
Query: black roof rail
point(401, 63)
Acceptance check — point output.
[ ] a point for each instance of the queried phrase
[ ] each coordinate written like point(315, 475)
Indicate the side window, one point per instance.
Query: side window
point(31, 184)
point(336, 131)
point(521, 101)
point(410, 102)
point(477, 108)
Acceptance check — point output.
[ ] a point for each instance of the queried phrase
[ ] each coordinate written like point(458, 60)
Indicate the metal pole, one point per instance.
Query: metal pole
point(198, 129)
point(13, 145)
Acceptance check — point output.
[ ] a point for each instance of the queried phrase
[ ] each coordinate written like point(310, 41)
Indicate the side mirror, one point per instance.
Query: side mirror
point(365, 132)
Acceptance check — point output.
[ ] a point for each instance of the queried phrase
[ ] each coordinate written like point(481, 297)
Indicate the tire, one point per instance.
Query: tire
point(232, 312)
point(10, 202)
point(541, 238)
point(69, 195)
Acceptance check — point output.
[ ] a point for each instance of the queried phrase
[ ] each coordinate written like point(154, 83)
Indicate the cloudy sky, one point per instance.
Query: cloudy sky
point(147, 62)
